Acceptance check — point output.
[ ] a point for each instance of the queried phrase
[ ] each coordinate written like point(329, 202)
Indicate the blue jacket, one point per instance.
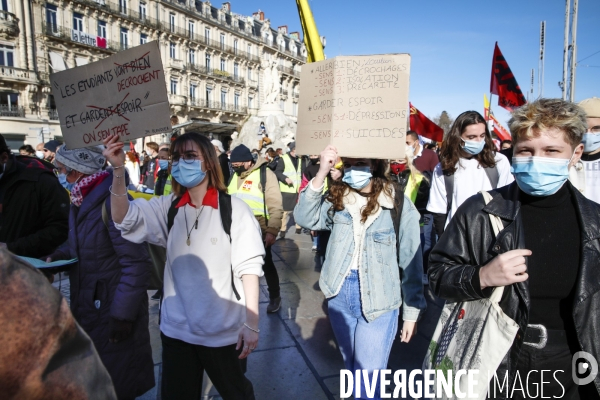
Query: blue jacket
point(115, 272)
point(385, 279)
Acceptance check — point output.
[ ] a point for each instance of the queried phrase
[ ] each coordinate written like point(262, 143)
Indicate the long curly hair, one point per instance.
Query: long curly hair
point(452, 144)
point(380, 183)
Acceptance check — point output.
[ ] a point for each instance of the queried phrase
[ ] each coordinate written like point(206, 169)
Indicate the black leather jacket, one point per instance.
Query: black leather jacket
point(469, 243)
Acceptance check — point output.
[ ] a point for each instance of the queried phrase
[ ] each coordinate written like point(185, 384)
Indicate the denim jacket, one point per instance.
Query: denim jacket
point(385, 279)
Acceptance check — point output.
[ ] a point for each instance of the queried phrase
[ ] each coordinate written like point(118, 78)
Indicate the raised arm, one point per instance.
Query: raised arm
point(119, 202)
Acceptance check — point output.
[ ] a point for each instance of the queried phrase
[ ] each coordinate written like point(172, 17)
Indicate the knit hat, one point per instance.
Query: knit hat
point(52, 145)
point(218, 145)
point(292, 146)
point(3, 147)
point(241, 154)
point(88, 160)
point(591, 107)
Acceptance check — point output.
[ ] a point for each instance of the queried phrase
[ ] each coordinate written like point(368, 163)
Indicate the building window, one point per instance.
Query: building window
point(4, 5)
point(9, 104)
point(207, 62)
point(208, 96)
point(172, 22)
point(78, 22)
point(223, 64)
point(192, 56)
point(123, 6)
point(249, 73)
point(172, 49)
point(193, 88)
point(143, 38)
point(7, 55)
point(295, 109)
point(142, 10)
point(223, 99)
point(236, 101)
point(249, 50)
point(236, 70)
point(235, 46)
point(173, 86)
point(124, 38)
point(102, 29)
point(51, 18)
point(250, 102)
point(207, 35)
point(222, 41)
point(191, 29)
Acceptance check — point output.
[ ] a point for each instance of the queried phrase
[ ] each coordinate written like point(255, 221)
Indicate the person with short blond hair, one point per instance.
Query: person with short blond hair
point(545, 256)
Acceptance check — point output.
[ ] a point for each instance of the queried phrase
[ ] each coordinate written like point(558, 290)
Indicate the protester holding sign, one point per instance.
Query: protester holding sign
point(545, 257)
point(468, 164)
point(209, 312)
point(108, 285)
point(374, 260)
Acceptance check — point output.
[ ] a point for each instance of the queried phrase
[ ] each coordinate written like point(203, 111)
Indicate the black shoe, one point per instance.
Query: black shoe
point(274, 305)
point(298, 231)
point(157, 295)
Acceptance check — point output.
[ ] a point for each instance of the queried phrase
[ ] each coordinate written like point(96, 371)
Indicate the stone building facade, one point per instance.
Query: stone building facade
point(212, 59)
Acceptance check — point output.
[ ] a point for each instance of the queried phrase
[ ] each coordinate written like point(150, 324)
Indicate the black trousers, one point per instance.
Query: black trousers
point(184, 365)
point(271, 275)
point(547, 372)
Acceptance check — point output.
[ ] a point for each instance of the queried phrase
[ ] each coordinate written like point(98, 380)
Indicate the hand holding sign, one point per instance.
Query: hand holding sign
point(328, 158)
point(114, 151)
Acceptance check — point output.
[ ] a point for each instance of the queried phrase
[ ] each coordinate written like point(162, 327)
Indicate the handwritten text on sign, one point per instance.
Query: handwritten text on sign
point(123, 95)
point(357, 103)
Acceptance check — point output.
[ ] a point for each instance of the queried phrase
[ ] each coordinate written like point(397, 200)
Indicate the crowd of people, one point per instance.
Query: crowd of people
point(383, 230)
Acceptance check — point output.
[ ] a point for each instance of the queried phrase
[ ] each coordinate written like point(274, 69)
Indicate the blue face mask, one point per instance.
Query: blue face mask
point(357, 177)
point(62, 178)
point(540, 176)
point(473, 147)
point(188, 174)
point(591, 142)
point(163, 164)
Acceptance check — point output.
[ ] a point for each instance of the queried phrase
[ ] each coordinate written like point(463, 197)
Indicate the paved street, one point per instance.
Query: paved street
point(297, 355)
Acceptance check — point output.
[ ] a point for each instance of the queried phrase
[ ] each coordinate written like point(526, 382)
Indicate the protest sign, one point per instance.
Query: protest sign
point(357, 103)
point(124, 94)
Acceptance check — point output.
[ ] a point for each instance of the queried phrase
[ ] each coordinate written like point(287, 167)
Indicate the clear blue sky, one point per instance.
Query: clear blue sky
point(452, 42)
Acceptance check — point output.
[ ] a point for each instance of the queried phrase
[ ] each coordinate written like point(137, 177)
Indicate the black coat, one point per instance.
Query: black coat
point(34, 213)
point(469, 243)
point(224, 163)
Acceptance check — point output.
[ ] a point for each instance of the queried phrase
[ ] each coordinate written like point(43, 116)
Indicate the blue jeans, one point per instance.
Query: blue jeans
point(364, 345)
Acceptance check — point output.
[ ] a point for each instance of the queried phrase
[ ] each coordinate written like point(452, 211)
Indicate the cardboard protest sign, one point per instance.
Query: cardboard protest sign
point(124, 94)
point(357, 103)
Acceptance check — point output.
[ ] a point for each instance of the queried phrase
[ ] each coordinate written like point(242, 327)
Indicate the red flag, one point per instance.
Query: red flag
point(493, 124)
point(424, 126)
point(504, 84)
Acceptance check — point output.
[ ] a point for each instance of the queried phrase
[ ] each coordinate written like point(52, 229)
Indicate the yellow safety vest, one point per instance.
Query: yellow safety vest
point(412, 187)
point(249, 192)
point(292, 173)
point(168, 187)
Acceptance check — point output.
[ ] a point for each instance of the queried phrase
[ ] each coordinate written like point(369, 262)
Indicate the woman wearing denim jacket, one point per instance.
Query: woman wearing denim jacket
point(363, 278)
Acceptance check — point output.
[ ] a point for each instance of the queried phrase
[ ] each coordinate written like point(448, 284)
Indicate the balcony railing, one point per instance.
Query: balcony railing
point(9, 23)
point(201, 69)
point(11, 111)
point(53, 114)
point(288, 70)
point(15, 73)
point(126, 13)
point(216, 105)
point(71, 35)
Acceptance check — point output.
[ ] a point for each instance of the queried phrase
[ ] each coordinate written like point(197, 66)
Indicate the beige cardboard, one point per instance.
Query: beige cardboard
point(124, 94)
point(357, 103)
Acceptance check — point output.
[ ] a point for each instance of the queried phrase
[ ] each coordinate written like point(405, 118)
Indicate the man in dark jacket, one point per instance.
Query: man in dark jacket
point(547, 257)
point(223, 161)
point(34, 207)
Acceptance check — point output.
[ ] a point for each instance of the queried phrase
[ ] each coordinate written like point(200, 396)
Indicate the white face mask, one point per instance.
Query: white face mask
point(39, 154)
point(410, 151)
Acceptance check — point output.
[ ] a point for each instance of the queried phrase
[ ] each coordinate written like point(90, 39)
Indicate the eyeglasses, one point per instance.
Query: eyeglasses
point(187, 158)
point(595, 130)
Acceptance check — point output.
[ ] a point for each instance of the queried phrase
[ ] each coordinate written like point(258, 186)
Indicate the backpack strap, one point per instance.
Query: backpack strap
point(172, 213)
point(493, 175)
point(263, 185)
point(449, 183)
point(226, 212)
point(397, 213)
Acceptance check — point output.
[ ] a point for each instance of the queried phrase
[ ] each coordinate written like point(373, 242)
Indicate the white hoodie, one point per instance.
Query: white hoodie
point(199, 306)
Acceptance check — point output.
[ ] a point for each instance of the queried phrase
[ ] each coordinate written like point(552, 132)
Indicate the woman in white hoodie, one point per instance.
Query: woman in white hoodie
point(209, 310)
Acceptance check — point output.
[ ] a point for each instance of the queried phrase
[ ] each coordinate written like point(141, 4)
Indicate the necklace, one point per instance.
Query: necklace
point(195, 225)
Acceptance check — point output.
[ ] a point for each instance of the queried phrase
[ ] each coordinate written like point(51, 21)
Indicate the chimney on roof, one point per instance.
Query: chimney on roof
point(283, 29)
point(226, 7)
